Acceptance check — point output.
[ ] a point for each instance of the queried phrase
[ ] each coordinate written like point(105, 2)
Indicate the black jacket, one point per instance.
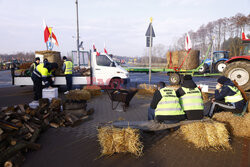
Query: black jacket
point(226, 91)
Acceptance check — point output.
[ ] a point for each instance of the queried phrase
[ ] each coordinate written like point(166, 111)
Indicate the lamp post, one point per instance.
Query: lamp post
point(77, 35)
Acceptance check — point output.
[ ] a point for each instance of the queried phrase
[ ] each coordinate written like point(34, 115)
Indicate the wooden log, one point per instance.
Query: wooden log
point(55, 104)
point(1, 131)
point(150, 125)
point(74, 106)
point(29, 127)
point(12, 150)
point(21, 106)
point(7, 125)
point(78, 112)
point(15, 161)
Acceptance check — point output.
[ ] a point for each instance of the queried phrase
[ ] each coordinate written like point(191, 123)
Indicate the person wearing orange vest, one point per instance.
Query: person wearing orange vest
point(67, 69)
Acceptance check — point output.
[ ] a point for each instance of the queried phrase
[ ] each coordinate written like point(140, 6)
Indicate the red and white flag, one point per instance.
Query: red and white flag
point(105, 49)
point(95, 50)
point(46, 32)
point(243, 36)
point(54, 40)
point(188, 43)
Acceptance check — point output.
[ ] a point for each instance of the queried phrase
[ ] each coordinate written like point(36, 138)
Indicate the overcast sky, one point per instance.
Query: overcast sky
point(121, 24)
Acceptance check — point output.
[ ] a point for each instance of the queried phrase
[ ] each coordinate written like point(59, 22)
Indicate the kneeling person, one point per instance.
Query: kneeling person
point(165, 106)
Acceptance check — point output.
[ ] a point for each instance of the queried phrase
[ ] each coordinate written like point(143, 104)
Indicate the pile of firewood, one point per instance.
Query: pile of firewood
point(20, 127)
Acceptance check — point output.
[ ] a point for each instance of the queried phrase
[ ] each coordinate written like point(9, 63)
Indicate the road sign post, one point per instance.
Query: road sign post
point(149, 43)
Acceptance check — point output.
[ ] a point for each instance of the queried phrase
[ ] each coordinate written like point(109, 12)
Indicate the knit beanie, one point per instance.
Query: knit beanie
point(222, 80)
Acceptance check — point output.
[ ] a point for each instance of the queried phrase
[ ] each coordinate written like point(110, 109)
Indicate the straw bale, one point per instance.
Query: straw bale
point(115, 140)
point(205, 96)
point(53, 57)
point(192, 61)
point(145, 89)
point(78, 95)
point(93, 90)
point(206, 134)
point(174, 58)
point(238, 126)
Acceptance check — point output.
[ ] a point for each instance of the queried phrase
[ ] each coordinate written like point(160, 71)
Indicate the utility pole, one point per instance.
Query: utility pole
point(77, 35)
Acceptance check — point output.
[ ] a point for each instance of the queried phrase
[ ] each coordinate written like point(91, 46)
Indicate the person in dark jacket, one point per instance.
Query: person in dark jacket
point(165, 106)
point(190, 98)
point(33, 65)
point(42, 73)
point(227, 98)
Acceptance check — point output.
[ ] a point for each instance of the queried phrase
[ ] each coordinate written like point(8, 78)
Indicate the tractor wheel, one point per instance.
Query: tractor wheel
point(220, 66)
point(240, 72)
point(174, 79)
point(203, 69)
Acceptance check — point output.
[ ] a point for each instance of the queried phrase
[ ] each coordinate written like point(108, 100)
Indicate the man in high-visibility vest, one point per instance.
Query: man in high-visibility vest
point(42, 74)
point(68, 69)
point(165, 106)
point(33, 65)
point(190, 98)
point(227, 98)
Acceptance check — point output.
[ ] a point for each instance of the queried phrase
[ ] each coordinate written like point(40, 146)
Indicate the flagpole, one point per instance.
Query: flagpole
point(77, 35)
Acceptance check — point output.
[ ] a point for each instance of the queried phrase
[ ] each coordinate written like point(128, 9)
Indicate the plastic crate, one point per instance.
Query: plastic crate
point(50, 93)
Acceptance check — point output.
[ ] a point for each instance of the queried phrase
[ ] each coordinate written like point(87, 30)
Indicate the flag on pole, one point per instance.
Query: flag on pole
point(54, 40)
point(243, 36)
point(188, 43)
point(46, 32)
point(95, 50)
point(105, 49)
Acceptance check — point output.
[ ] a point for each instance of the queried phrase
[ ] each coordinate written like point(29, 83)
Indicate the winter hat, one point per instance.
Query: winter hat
point(187, 77)
point(222, 80)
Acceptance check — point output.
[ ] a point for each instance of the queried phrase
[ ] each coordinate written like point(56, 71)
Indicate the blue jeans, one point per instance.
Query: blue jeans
point(151, 113)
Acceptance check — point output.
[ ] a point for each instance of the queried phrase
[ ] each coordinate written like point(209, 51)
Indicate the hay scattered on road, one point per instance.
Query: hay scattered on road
point(238, 126)
point(115, 140)
point(145, 89)
point(206, 135)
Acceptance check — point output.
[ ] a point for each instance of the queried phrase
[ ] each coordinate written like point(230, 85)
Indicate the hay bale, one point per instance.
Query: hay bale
point(93, 90)
point(145, 89)
point(115, 140)
point(206, 134)
point(78, 95)
point(174, 59)
point(205, 97)
point(192, 61)
point(53, 57)
point(238, 126)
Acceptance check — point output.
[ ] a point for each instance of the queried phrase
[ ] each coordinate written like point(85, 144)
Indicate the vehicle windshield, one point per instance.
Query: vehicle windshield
point(246, 50)
point(218, 56)
point(103, 60)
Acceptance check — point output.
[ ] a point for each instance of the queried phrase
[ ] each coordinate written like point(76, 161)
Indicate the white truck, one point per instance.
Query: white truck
point(103, 71)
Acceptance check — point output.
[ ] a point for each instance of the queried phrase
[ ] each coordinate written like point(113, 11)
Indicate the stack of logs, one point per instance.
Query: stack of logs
point(20, 127)
point(76, 103)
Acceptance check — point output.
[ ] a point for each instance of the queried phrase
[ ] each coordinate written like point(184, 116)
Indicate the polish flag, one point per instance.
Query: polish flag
point(46, 32)
point(95, 50)
point(54, 40)
point(188, 43)
point(243, 35)
point(105, 51)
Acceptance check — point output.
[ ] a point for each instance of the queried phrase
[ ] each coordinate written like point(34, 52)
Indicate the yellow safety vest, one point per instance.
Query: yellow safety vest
point(34, 65)
point(235, 98)
point(169, 104)
point(69, 67)
point(192, 99)
point(41, 71)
